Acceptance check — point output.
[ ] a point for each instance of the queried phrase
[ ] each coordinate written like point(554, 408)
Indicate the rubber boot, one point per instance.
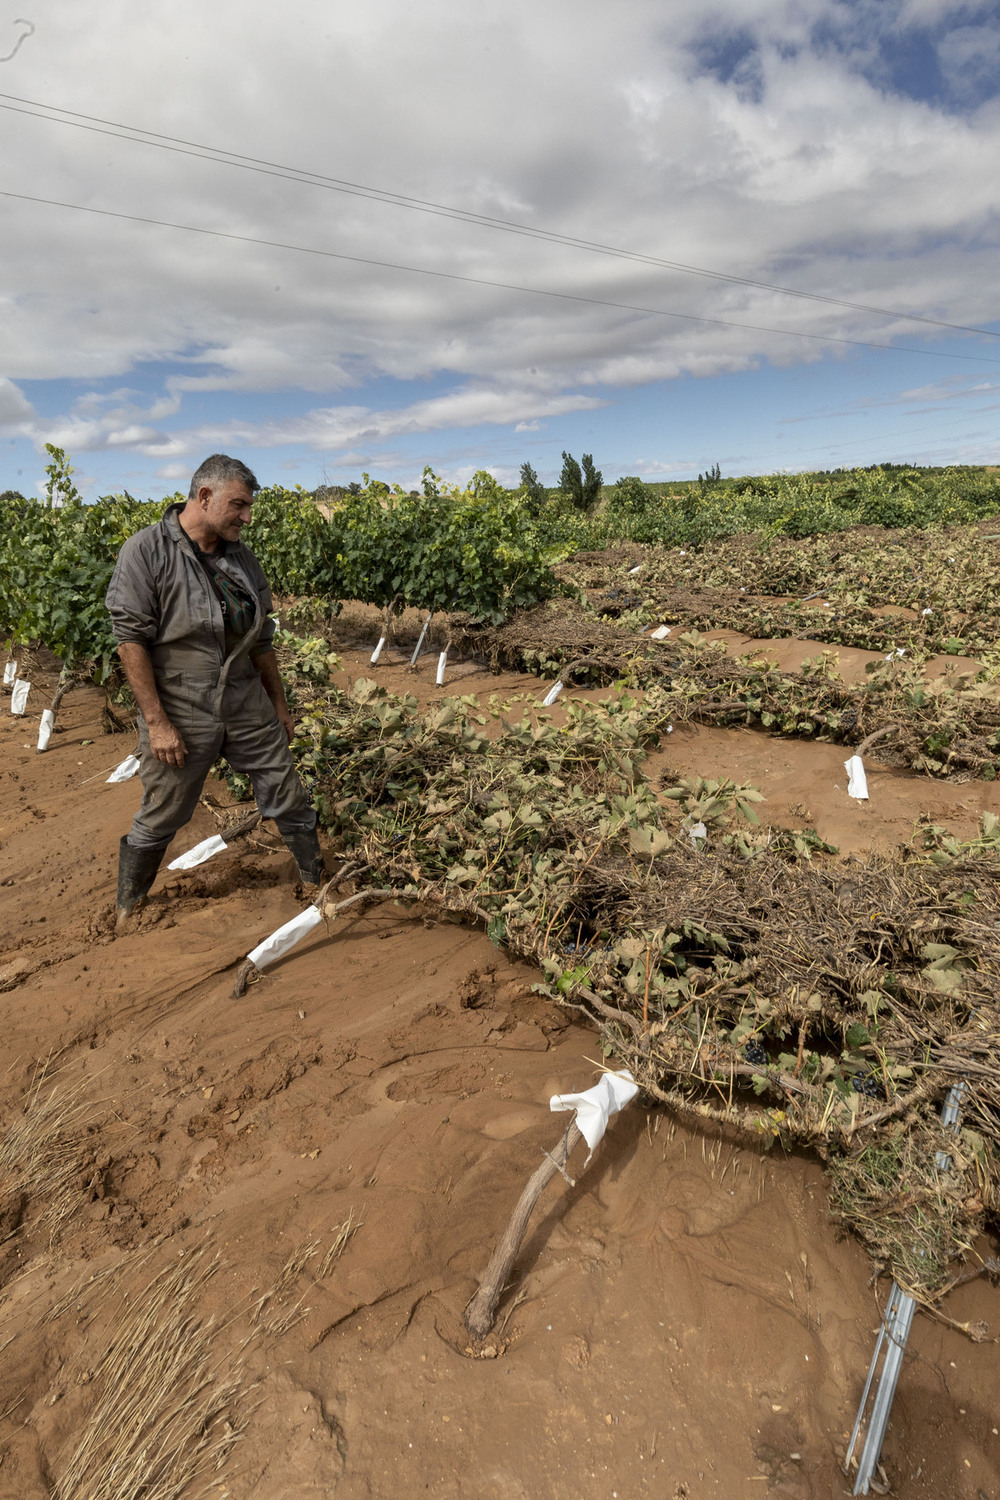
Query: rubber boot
point(136, 872)
point(304, 846)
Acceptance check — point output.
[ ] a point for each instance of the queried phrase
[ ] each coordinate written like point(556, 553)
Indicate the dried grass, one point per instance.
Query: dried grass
point(338, 1245)
point(266, 1310)
point(43, 1154)
point(104, 1280)
point(173, 1383)
point(167, 1404)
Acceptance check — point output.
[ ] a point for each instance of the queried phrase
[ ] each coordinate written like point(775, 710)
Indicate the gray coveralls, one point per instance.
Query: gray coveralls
point(160, 596)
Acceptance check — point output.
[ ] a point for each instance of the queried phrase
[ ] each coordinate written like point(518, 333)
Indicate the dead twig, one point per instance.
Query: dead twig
point(481, 1311)
point(875, 736)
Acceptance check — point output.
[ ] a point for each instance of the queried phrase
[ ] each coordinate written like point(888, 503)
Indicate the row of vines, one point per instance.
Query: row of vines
point(740, 971)
point(454, 549)
point(488, 551)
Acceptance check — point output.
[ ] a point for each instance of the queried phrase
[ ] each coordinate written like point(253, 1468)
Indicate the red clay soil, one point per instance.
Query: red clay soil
point(683, 1322)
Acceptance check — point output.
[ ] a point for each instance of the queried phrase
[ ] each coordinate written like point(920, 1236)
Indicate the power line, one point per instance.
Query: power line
point(503, 286)
point(176, 144)
point(905, 429)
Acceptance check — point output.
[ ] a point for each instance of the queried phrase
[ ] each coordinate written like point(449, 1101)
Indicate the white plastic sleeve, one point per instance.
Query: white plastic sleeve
point(199, 854)
point(857, 781)
point(594, 1107)
point(278, 944)
point(124, 771)
point(45, 729)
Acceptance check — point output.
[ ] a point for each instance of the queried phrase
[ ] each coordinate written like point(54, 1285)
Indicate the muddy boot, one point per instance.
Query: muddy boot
point(305, 850)
point(136, 872)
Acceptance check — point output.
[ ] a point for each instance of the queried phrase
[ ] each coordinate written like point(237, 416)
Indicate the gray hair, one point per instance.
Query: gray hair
point(218, 469)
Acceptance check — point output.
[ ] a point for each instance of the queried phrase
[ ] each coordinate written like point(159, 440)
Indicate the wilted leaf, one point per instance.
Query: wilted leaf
point(945, 980)
point(648, 841)
point(936, 952)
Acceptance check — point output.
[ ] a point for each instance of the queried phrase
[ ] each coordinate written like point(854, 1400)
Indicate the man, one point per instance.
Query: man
point(190, 608)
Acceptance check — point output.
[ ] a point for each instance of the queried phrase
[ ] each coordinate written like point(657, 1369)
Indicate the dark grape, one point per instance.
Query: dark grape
point(869, 1086)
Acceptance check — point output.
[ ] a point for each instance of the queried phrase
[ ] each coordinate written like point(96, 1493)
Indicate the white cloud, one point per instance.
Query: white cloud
point(661, 468)
point(970, 58)
point(332, 429)
point(16, 411)
point(609, 123)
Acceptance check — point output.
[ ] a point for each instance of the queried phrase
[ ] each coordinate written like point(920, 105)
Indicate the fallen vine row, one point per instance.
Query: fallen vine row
point(743, 977)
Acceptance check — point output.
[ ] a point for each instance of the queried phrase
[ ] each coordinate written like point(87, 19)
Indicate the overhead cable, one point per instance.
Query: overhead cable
point(55, 114)
point(503, 286)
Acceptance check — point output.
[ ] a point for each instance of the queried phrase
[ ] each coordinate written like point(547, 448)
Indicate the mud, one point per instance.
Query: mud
point(682, 1321)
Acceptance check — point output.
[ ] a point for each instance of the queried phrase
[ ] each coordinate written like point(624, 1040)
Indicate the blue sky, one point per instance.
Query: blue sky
point(841, 149)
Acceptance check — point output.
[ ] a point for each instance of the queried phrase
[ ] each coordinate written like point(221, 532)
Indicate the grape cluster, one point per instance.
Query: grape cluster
point(869, 1086)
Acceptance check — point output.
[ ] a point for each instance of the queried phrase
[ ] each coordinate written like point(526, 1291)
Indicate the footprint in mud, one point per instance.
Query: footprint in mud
point(704, 1208)
point(644, 1194)
point(482, 1115)
point(424, 1085)
point(504, 1127)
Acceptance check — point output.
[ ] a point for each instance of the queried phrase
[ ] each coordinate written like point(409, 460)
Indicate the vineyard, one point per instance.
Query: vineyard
point(753, 978)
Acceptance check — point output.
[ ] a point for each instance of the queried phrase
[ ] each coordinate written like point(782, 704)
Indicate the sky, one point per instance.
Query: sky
point(334, 239)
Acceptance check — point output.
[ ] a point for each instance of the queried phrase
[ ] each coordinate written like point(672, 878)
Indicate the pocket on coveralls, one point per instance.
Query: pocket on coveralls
point(185, 698)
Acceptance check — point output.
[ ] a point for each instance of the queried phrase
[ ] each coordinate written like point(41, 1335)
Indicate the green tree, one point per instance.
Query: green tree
point(592, 481)
point(571, 481)
point(581, 482)
point(531, 490)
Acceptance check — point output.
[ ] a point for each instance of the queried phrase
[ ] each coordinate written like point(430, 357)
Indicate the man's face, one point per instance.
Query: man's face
point(226, 508)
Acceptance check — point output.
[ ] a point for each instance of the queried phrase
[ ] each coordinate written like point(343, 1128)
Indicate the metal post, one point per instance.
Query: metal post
point(894, 1333)
point(420, 642)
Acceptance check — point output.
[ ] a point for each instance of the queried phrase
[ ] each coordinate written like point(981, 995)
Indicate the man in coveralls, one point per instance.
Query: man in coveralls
point(190, 609)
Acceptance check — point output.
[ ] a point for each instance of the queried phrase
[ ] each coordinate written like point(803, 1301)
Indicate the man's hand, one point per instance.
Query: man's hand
point(166, 743)
point(285, 720)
